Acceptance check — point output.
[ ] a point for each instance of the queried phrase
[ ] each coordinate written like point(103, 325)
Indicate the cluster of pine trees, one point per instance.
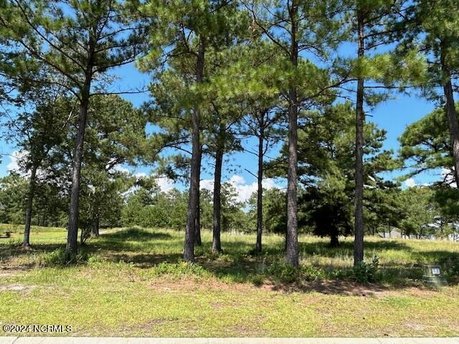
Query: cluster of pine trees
point(304, 73)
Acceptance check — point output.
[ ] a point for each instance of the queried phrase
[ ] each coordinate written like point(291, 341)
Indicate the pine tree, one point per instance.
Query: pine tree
point(303, 31)
point(434, 29)
point(375, 24)
point(81, 41)
point(186, 33)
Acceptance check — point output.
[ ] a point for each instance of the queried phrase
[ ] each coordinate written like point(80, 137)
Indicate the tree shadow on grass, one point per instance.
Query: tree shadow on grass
point(103, 245)
point(436, 257)
point(448, 261)
point(13, 257)
point(147, 249)
point(127, 241)
point(268, 270)
point(15, 250)
point(136, 234)
point(144, 261)
point(137, 246)
point(346, 248)
point(130, 240)
point(322, 278)
point(331, 287)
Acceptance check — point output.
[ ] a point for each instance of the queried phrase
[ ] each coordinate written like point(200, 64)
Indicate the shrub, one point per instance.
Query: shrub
point(311, 273)
point(258, 280)
point(366, 272)
point(451, 268)
point(60, 257)
point(283, 272)
point(179, 269)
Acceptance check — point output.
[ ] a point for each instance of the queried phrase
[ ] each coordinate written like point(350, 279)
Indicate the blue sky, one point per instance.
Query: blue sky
point(393, 116)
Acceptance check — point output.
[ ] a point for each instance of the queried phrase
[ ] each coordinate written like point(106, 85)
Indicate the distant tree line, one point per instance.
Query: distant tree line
point(417, 212)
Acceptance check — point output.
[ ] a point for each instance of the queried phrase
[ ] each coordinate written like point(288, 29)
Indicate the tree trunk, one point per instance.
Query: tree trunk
point(197, 225)
point(451, 113)
point(28, 213)
point(193, 206)
point(95, 226)
point(258, 246)
point(359, 142)
point(197, 228)
point(72, 234)
point(217, 203)
point(292, 182)
point(334, 242)
point(188, 252)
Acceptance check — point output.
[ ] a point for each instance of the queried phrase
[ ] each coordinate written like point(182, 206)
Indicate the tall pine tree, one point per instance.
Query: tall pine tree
point(81, 41)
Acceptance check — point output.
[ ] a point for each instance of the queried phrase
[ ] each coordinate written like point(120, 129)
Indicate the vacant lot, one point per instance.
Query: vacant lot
point(132, 282)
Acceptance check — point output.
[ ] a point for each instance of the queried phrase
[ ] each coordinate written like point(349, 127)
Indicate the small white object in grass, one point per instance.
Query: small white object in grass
point(436, 271)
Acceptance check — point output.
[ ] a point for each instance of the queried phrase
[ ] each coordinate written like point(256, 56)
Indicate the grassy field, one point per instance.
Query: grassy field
point(132, 282)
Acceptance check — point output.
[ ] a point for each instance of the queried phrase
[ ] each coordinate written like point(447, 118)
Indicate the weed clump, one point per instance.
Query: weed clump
point(61, 257)
point(178, 270)
point(451, 268)
point(283, 272)
point(366, 272)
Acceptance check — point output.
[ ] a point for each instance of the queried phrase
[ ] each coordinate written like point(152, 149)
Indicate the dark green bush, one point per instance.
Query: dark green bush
point(61, 257)
point(366, 272)
point(283, 272)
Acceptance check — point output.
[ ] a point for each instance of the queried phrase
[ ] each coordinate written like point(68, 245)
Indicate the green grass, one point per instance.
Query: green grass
point(133, 282)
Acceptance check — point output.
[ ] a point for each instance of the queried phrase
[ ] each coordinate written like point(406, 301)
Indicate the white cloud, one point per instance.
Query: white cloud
point(409, 183)
point(448, 175)
point(445, 171)
point(119, 168)
point(243, 189)
point(269, 183)
point(207, 184)
point(13, 164)
point(237, 180)
point(165, 184)
point(15, 159)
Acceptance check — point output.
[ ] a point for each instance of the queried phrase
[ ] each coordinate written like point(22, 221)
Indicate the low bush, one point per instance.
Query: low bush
point(366, 272)
point(283, 272)
point(61, 257)
point(181, 269)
